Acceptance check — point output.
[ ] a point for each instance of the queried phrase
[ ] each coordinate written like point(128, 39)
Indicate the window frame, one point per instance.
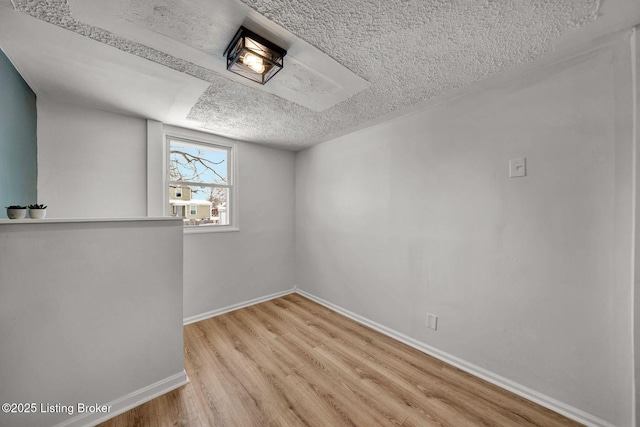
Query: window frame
point(212, 141)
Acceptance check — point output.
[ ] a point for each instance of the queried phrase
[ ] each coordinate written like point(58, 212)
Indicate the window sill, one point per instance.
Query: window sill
point(204, 229)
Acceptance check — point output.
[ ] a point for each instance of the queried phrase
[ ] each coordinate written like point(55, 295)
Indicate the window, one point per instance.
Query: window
point(200, 181)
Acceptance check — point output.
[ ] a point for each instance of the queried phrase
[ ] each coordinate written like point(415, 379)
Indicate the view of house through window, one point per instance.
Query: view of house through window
point(199, 182)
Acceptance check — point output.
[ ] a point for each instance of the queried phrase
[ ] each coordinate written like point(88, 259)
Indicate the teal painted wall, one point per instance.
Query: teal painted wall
point(18, 139)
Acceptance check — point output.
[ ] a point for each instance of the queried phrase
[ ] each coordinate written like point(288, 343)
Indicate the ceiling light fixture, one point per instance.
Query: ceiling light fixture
point(254, 57)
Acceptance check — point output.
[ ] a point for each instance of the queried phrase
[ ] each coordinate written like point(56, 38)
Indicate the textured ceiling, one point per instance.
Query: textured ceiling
point(408, 50)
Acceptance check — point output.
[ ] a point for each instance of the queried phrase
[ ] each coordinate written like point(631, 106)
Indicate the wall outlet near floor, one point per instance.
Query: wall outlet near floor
point(432, 321)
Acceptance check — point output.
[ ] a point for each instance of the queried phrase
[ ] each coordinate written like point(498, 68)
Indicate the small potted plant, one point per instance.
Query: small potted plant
point(37, 211)
point(16, 211)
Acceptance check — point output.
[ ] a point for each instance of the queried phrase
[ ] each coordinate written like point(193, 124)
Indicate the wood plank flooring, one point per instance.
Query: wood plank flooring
point(292, 362)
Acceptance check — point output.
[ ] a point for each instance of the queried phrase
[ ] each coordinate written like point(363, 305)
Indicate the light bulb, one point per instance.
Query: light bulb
point(254, 62)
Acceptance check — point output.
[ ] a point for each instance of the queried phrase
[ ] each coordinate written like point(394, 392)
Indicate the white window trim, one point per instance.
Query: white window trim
point(154, 171)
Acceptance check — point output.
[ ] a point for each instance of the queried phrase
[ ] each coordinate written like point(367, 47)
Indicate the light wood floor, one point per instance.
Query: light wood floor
point(292, 362)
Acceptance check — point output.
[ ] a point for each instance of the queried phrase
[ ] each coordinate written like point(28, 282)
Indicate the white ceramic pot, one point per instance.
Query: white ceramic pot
point(16, 213)
point(37, 213)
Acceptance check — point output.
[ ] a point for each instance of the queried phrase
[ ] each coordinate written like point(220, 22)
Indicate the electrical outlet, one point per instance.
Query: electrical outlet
point(432, 321)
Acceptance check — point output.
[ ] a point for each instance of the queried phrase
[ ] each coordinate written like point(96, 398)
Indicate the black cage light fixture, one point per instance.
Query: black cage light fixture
point(254, 57)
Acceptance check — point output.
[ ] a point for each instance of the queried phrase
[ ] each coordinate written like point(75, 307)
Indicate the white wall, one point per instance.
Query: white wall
point(89, 313)
point(530, 277)
point(259, 259)
point(636, 302)
point(92, 163)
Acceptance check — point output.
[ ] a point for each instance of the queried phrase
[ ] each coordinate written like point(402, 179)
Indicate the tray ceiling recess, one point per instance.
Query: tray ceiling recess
point(192, 36)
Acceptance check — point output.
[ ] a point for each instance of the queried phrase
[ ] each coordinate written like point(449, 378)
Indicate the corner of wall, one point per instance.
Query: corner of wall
point(155, 168)
point(635, 291)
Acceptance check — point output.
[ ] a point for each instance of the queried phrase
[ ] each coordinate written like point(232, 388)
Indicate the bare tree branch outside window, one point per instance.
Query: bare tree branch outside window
point(203, 174)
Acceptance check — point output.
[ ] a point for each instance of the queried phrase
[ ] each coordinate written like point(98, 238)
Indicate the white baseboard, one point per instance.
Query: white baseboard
point(143, 395)
point(128, 401)
point(219, 311)
point(532, 395)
